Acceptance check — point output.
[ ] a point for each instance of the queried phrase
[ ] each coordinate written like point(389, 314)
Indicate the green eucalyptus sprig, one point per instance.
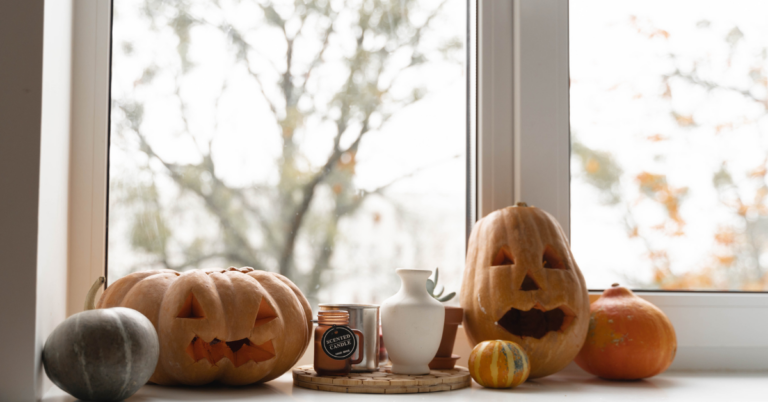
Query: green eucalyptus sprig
point(432, 286)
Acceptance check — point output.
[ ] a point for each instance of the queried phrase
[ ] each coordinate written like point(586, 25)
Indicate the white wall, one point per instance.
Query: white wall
point(34, 166)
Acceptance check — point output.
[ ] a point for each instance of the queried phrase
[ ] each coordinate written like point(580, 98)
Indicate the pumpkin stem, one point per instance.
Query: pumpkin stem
point(521, 204)
point(615, 285)
point(90, 298)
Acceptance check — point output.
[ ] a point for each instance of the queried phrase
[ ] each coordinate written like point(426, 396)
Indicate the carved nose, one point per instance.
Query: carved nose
point(529, 283)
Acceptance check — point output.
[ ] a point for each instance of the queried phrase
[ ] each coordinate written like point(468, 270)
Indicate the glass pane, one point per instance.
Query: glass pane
point(324, 140)
point(670, 143)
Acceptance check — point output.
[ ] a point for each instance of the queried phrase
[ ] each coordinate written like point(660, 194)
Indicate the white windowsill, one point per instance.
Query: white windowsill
point(570, 385)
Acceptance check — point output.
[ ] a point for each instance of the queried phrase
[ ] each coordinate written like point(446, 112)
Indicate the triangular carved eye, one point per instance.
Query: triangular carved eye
point(551, 259)
point(266, 313)
point(503, 257)
point(191, 308)
point(529, 283)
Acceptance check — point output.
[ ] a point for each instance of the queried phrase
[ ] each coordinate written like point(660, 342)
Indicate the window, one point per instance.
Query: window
point(668, 144)
point(523, 89)
point(519, 149)
point(322, 140)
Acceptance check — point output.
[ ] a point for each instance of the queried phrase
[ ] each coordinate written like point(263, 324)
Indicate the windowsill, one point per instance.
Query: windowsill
point(570, 385)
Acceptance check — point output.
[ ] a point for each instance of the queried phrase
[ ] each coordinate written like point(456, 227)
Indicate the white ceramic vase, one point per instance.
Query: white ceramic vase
point(412, 324)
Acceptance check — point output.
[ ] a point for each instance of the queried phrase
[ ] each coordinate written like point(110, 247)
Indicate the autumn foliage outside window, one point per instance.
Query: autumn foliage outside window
point(669, 125)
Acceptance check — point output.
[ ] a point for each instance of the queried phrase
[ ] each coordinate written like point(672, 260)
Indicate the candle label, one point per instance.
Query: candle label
point(339, 342)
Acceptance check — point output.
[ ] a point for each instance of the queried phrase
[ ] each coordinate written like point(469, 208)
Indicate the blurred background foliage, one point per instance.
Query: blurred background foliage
point(735, 257)
point(289, 221)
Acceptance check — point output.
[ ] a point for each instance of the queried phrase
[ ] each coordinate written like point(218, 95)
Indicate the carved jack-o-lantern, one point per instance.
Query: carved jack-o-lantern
point(522, 284)
point(235, 326)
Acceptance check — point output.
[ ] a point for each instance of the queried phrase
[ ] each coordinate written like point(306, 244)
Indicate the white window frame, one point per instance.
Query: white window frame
point(524, 155)
point(91, 36)
point(521, 151)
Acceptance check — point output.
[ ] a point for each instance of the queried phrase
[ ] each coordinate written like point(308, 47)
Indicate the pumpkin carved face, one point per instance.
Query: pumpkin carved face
point(235, 326)
point(522, 284)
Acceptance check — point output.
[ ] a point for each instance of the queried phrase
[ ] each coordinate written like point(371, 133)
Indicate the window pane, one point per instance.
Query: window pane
point(670, 143)
point(324, 140)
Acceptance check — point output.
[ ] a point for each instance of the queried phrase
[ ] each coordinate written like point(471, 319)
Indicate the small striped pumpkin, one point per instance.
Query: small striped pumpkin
point(499, 364)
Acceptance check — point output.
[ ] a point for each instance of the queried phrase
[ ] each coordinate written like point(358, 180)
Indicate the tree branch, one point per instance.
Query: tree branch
point(319, 58)
point(191, 262)
point(308, 191)
point(711, 85)
point(185, 120)
point(255, 75)
point(308, 194)
point(243, 245)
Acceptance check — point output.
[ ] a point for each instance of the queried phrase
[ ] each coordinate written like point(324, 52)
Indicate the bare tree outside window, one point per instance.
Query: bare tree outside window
point(323, 140)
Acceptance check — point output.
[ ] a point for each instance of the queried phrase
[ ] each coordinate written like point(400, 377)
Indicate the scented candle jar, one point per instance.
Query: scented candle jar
point(365, 318)
point(335, 343)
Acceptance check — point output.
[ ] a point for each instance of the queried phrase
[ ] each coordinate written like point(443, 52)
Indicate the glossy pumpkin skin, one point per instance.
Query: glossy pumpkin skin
point(102, 355)
point(628, 338)
point(522, 284)
point(234, 326)
point(499, 364)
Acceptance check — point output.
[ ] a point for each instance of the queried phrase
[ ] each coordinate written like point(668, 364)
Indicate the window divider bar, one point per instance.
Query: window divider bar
point(541, 107)
point(523, 135)
point(494, 174)
point(89, 151)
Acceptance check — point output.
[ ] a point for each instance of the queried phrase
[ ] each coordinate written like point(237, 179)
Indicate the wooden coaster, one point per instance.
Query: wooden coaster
point(383, 381)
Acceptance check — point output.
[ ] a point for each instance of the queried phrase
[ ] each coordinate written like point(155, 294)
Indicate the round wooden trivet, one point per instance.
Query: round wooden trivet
point(383, 381)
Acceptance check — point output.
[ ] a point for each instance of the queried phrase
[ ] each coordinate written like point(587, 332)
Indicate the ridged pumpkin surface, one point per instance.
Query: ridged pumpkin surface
point(628, 339)
point(234, 326)
point(522, 284)
point(499, 364)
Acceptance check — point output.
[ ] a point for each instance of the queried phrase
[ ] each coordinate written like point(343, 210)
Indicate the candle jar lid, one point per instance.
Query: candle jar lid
point(333, 317)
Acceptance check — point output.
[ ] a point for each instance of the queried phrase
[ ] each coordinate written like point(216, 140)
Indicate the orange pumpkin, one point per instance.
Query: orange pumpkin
point(522, 284)
point(235, 326)
point(499, 364)
point(628, 339)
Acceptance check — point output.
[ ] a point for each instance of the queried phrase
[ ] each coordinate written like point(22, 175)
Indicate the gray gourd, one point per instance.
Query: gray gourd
point(102, 355)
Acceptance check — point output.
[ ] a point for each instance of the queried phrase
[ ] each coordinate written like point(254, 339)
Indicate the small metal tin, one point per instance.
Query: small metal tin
point(365, 318)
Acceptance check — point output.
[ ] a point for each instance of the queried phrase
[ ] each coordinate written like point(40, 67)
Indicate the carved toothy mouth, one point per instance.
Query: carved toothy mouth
point(238, 352)
point(536, 322)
